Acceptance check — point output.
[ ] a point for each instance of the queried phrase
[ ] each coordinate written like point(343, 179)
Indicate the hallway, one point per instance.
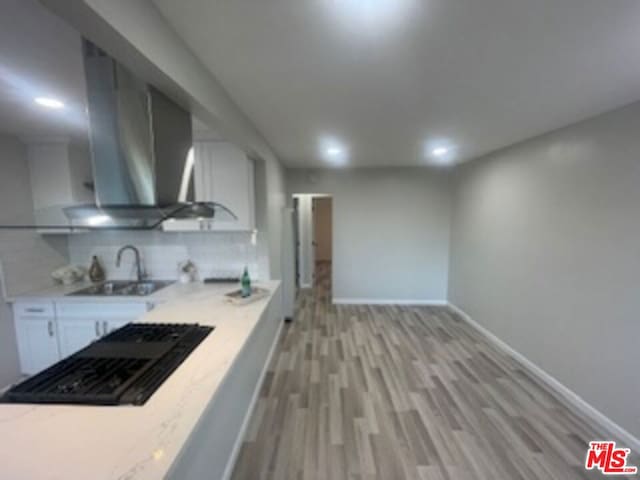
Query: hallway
point(401, 392)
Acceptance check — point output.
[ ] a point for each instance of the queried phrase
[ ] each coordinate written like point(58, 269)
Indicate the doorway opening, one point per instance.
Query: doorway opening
point(314, 241)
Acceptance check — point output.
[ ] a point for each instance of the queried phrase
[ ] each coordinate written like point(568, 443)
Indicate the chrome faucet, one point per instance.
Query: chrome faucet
point(136, 252)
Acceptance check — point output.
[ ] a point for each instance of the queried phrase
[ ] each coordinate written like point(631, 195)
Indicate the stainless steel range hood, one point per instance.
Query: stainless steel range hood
point(139, 138)
point(140, 154)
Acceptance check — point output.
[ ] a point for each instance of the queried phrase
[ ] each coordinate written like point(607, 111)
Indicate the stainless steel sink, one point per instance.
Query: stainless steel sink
point(144, 288)
point(122, 288)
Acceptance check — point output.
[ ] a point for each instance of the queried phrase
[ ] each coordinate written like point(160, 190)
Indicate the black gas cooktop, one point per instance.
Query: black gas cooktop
point(124, 367)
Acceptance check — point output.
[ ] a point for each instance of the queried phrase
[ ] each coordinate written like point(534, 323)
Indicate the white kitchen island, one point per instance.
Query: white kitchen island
point(191, 426)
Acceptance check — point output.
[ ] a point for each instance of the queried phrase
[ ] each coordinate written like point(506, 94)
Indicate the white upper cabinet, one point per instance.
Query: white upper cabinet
point(222, 174)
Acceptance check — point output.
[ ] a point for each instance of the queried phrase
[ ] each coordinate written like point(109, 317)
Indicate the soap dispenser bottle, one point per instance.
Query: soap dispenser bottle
point(96, 272)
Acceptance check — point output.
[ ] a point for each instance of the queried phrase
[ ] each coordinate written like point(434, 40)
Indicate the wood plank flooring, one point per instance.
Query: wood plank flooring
point(395, 392)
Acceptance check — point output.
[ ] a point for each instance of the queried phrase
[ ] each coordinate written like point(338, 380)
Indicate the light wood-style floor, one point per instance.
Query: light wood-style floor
point(390, 392)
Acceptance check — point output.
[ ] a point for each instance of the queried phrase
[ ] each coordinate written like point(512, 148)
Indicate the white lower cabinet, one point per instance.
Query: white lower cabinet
point(114, 324)
point(74, 334)
point(37, 336)
point(47, 333)
point(81, 323)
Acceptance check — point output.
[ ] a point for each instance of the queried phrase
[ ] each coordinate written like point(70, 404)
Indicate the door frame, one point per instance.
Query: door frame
point(304, 226)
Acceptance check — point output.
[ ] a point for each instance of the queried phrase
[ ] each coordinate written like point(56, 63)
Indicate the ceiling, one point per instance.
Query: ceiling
point(382, 78)
point(40, 55)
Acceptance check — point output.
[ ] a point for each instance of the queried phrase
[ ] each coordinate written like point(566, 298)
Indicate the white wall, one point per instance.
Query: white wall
point(26, 258)
point(546, 255)
point(276, 202)
point(215, 254)
point(390, 231)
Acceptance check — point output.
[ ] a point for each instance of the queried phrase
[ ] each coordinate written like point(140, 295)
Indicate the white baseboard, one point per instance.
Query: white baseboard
point(565, 393)
point(386, 301)
point(228, 471)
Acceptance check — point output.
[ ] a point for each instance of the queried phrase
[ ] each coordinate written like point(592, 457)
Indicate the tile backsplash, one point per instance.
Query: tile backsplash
point(27, 259)
point(220, 254)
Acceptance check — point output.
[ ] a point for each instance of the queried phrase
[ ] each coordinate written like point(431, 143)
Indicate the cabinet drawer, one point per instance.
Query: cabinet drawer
point(33, 309)
point(128, 311)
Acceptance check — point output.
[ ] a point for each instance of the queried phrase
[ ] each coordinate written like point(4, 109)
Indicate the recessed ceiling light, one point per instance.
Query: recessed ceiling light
point(441, 152)
point(372, 16)
point(333, 151)
point(49, 102)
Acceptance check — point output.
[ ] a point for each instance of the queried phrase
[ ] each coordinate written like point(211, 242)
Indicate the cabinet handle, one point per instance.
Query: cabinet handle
point(50, 328)
point(97, 329)
point(105, 327)
point(34, 310)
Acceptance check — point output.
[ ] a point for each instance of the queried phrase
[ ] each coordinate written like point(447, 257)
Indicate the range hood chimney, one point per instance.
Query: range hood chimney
point(140, 148)
point(140, 139)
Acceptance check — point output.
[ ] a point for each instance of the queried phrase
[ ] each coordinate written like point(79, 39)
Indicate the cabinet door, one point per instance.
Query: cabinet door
point(224, 174)
point(82, 323)
point(112, 325)
point(37, 343)
point(75, 333)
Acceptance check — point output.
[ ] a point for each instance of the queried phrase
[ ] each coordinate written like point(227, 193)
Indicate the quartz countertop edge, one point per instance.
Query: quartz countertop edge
point(134, 442)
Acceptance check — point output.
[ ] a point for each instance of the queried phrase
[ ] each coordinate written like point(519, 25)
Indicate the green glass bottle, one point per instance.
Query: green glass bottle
point(245, 282)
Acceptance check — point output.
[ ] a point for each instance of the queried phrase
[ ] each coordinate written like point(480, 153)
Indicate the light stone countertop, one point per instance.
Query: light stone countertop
point(61, 442)
point(171, 292)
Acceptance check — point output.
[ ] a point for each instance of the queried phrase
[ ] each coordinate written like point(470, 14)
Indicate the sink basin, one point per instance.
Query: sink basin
point(122, 288)
point(143, 288)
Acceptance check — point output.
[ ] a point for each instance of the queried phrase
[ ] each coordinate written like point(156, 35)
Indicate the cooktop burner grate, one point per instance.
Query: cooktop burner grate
point(125, 367)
